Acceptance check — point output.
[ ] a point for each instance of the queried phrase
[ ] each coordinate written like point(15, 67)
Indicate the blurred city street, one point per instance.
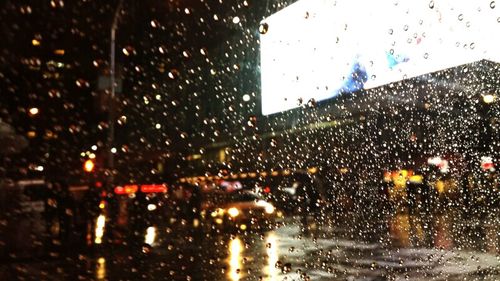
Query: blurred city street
point(398, 247)
point(249, 140)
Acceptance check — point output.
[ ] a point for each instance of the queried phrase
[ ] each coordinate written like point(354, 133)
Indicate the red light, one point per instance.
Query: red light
point(153, 188)
point(487, 163)
point(126, 189)
point(267, 189)
point(98, 184)
point(119, 190)
point(487, 166)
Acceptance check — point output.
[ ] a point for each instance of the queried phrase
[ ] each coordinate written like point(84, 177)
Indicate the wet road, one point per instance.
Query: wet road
point(399, 247)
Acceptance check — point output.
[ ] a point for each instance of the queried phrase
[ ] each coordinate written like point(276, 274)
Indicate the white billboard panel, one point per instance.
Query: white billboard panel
point(319, 49)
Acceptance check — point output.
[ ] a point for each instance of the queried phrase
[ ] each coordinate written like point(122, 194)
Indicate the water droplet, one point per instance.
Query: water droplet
point(391, 31)
point(460, 17)
point(311, 103)
point(492, 5)
point(236, 20)
point(472, 46)
point(173, 74)
point(274, 143)
point(155, 24)
point(426, 55)
point(431, 4)
point(287, 268)
point(263, 28)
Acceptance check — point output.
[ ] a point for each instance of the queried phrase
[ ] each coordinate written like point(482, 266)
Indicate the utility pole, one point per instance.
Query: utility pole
point(112, 109)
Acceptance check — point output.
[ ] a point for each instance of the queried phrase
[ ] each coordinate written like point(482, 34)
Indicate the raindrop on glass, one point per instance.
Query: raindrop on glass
point(263, 28)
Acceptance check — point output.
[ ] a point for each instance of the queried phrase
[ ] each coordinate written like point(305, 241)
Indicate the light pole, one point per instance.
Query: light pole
point(112, 113)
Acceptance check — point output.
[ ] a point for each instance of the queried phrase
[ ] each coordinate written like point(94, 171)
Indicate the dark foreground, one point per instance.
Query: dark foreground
point(445, 246)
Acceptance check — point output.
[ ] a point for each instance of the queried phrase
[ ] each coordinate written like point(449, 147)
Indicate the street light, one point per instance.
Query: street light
point(88, 166)
point(489, 98)
point(33, 111)
point(111, 135)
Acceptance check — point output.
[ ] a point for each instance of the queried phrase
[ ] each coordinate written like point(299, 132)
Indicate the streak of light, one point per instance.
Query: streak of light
point(150, 235)
point(272, 256)
point(99, 229)
point(235, 258)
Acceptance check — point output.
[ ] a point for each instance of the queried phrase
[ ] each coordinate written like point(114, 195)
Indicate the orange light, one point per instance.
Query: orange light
point(126, 189)
point(88, 166)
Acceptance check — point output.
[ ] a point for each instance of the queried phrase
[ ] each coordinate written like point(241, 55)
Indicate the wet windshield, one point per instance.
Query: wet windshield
point(249, 140)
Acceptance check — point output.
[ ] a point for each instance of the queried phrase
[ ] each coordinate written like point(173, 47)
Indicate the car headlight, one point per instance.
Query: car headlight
point(217, 213)
point(269, 209)
point(233, 212)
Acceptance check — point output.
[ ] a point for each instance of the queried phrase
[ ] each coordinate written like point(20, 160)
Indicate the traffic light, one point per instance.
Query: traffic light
point(88, 166)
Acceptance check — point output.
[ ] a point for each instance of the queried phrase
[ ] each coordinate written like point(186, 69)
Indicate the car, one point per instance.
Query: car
point(238, 210)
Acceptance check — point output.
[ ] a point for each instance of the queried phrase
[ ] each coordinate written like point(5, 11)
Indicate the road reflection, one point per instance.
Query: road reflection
point(101, 269)
point(240, 259)
point(272, 256)
point(445, 231)
point(150, 236)
point(235, 259)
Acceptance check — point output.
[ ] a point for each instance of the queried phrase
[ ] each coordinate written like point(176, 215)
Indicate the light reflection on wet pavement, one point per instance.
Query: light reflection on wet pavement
point(404, 247)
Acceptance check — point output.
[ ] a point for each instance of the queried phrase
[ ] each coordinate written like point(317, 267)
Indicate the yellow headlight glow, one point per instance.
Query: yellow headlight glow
point(233, 212)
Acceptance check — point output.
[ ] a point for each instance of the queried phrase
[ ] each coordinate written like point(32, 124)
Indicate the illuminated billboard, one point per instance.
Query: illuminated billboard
point(320, 49)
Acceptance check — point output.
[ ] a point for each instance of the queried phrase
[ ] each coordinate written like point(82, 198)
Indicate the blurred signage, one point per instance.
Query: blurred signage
point(153, 188)
point(231, 185)
point(78, 188)
point(441, 164)
point(31, 182)
point(32, 206)
point(487, 163)
point(126, 189)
